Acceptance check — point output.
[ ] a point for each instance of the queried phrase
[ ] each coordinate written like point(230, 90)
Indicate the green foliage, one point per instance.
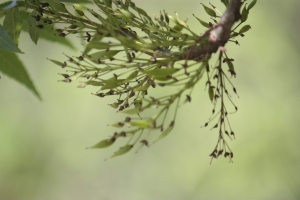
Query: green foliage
point(128, 54)
point(14, 68)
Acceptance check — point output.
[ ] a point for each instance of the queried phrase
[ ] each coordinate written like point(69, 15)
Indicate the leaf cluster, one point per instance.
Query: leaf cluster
point(127, 54)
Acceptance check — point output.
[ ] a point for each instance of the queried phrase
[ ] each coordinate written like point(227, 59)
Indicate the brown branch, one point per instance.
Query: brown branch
point(217, 36)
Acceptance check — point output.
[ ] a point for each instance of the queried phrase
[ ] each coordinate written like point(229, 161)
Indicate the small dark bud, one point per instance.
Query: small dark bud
point(188, 98)
point(145, 142)
point(123, 134)
point(40, 26)
point(43, 5)
point(121, 108)
point(127, 119)
point(62, 35)
point(101, 95)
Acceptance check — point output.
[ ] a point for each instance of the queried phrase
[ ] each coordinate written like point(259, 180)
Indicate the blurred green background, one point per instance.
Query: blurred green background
point(42, 145)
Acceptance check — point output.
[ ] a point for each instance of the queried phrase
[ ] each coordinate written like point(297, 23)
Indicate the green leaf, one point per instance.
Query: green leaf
point(131, 111)
point(180, 21)
point(103, 54)
point(57, 62)
point(122, 150)
point(126, 13)
point(165, 132)
point(161, 72)
point(131, 76)
point(57, 6)
point(245, 13)
point(211, 93)
point(205, 24)
point(144, 87)
point(97, 45)
point(252, 4)
point(47, 33)
point(141, 124)
point(6, 42)
point(245, 29)
point(78, 11)
point(230, 65)
point(13, 24)
point(103, 144)
point(95, 38)
point(33, 29)
point(209, 11)
point(13, 67)
point(225, 2)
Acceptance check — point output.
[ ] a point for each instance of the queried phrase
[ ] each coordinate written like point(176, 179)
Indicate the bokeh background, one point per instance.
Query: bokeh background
point(42, 143)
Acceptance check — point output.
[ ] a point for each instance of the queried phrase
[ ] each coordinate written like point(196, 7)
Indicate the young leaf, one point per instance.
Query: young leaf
point(103, 54)
point(245, 13)
point(131, 111)
point(245, 29)
point(225, 2)
point(33, 30)
point(6, 42)
point(57, 6)
point(13, 24)
point(47, 33)
point(161, 72)
point(13, 67)
point(122, 150)
point(211, 93)
point(251, 4)
point(141, 124)
point(165, 133)
point(209, 11)
point(103, 144)
point(205, 24)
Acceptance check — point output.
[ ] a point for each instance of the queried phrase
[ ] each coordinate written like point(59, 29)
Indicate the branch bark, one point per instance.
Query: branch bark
point(218, 35)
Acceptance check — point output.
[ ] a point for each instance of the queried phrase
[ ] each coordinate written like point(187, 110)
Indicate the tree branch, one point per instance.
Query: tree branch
point(217, 36)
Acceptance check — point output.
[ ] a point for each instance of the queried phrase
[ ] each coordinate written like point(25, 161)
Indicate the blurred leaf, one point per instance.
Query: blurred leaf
point(95, 38)
point(144, 87)
point(161, 72)
point(205, 24)
point(126, 13)
point(103, 54)
point(141, 124)
point(230, 65)
point(245, 29)
point(97, 45)
point(180, 21)
point(103, 144)
point(165, 133)
point(245, 13)
point(131, 76)
point(122, 150)
point(252, 4)
point(225, 2)
point(78, 11)
point(131, 111)
point(13, 24)
point(57, 6)
point(47, 33)
point(33, 29)
point(209, 11)
point(6, 42)
point(211, 93)
point(57, 62)
point(13, 67)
